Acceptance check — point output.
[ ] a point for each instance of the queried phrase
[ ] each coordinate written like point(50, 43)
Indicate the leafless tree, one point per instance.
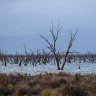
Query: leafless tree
point(52, 46)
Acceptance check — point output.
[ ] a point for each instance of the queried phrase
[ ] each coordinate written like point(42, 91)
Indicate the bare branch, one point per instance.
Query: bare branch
point(72, 38)
point(58, 30)
point(50, 45)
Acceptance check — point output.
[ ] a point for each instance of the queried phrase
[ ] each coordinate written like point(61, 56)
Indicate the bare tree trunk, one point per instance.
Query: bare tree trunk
point(72, 38)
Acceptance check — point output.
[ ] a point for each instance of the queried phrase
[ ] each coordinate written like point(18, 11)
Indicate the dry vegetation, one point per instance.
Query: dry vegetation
point(61, 84)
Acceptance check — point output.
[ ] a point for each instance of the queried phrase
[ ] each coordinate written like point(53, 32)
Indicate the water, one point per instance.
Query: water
point(21, 22)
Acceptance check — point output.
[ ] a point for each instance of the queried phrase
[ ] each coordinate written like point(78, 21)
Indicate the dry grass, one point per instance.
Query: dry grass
point(61, 84)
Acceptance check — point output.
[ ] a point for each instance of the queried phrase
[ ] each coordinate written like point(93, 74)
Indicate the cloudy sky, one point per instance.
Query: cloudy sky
point(21, 22)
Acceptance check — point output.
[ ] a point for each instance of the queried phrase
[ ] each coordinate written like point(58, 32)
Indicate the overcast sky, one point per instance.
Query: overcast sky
point(21, 22)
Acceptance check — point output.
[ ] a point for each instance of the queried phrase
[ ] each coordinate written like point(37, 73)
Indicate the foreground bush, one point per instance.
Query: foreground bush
point(47, 85)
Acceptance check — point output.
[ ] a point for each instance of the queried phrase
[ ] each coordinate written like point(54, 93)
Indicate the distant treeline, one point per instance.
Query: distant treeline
point(44, 58)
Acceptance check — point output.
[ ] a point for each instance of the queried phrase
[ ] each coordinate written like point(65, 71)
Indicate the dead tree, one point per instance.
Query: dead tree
point(52, 46)
point(53, 49)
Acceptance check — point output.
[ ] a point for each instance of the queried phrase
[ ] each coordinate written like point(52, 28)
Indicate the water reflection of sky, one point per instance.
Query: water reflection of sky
point(22, 20)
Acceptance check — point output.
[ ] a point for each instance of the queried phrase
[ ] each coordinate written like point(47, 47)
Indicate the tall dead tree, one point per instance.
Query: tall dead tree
point(52, 45)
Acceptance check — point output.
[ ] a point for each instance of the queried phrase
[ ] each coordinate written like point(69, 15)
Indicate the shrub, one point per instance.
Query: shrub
point(6, 91)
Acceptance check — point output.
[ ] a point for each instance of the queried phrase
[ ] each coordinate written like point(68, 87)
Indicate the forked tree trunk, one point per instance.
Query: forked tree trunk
point(52, 46)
